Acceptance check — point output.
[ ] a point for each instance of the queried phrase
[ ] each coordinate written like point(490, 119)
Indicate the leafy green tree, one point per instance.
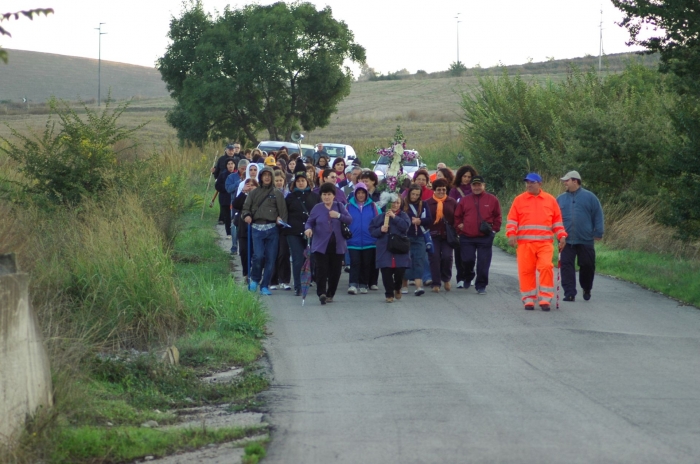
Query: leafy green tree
point(675, 34)
point(26, 13)
point(278, 67)
point(457, 68)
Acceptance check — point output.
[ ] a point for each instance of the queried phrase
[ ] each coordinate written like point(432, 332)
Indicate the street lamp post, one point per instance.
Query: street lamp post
point(458, 21)
point(99, 61)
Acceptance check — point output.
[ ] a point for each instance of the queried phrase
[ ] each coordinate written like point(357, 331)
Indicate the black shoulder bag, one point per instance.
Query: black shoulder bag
point(484, 227)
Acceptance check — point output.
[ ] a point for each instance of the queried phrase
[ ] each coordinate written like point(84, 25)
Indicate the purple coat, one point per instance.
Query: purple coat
point(397, 225)
point(323, 226)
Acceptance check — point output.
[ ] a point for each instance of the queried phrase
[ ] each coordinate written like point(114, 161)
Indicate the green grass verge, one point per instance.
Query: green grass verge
point(675, 277)
point(122, 444)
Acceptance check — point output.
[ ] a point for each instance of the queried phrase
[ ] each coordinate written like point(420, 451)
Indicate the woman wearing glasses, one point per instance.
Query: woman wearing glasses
point(442, 209)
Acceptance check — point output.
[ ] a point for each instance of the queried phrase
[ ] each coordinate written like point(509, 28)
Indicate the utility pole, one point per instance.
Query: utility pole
point(458, 21)
point(99, 61)
point(600, 48)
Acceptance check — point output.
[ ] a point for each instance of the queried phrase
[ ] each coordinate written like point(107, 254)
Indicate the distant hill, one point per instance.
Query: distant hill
point(38, 76)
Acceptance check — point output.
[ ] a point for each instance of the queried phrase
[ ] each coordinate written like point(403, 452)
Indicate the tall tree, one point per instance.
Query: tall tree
point(675, 34)
point(278, 67)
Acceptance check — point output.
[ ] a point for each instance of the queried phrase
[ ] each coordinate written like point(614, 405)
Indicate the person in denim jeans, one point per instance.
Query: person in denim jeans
point(264, 209)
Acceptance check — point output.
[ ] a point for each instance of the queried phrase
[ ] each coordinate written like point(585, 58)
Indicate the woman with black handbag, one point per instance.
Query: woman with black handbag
point(328, 245)
point(442, 208)
point(393, 246)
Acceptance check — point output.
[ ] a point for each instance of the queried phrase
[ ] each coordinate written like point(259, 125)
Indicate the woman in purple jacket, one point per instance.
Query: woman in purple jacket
point(328, 245)
point(392, 265)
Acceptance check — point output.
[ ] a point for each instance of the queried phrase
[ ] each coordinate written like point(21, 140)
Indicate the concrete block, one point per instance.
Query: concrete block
point(25, 375)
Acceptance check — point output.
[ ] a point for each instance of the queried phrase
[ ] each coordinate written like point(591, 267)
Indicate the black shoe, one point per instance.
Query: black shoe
point(347, 269)
point(323, 299)
point(544, 307)
point(530, 307)
point(297, 292)
point(220, 223)
point(586, 295)
point(570, 298)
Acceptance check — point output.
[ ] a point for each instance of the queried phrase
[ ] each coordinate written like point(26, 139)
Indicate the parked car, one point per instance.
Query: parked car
point(336, 150)
point(409, 167)
point(273, 145)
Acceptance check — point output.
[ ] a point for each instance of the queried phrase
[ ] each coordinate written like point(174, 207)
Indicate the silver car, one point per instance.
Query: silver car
point(409, 167)
point(274, 145)
point(339, 150)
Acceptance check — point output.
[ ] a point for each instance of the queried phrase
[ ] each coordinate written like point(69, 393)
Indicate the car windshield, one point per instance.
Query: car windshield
point(336, 152)
point(385, 160)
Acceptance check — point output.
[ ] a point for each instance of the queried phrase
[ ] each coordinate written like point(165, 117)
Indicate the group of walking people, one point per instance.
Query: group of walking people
point(415, 237)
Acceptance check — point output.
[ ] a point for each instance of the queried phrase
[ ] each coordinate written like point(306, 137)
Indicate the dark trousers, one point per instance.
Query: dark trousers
point(440, 261)
point(479, 250)
point(225, 215)
point(462, 273)
point(297, 244)
point(329, 266)
point(243, 251)
point(283, 269)
point(361, 267)
point(586, 262)
point(392, 278)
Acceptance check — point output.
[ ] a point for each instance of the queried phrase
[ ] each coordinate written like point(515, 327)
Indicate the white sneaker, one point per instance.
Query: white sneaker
point(286, 287)
point(411, 283)
point(273, 287)
point(363, 290)
point(374, 287)
point(404, 290)
point(352, 290)
point(460, 284)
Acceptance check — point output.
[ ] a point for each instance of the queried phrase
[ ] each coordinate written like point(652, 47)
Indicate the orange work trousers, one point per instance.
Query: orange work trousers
point(536, 257)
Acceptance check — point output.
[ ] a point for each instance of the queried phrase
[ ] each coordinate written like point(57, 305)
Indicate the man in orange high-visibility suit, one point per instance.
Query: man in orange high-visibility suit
point(533, 220)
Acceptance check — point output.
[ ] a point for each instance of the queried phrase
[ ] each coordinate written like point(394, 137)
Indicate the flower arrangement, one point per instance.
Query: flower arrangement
point(397, 154)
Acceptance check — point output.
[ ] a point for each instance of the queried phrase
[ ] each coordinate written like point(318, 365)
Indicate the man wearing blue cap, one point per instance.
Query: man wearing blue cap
point(533, 220)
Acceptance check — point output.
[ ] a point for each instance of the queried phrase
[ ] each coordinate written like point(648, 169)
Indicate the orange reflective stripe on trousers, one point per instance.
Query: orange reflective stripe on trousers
point(533, 257)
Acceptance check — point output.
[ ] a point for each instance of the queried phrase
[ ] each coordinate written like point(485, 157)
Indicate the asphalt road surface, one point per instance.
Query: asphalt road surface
point(462, 378)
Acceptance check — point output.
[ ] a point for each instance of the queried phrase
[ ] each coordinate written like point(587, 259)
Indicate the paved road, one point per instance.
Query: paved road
point(458, 377)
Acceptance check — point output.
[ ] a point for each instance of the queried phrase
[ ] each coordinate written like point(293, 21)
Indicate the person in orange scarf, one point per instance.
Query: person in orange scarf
point(442, 208)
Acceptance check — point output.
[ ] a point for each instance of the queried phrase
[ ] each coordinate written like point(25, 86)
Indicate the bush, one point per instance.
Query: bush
point(74, 161)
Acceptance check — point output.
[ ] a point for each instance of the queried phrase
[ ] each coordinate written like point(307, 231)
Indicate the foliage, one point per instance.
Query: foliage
point(26, 13)
point(609, 129)
point(676, 36)
point(512, 127)
point(457, 68)
point(278, 67)
point(76, 161)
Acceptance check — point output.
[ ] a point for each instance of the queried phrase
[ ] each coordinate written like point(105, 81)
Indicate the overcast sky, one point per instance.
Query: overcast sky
point(396, 33)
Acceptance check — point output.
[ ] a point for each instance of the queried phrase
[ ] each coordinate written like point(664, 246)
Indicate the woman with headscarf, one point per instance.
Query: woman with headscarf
point(251, 172)
point(300, 202)
point(247, 186)
point(392, 265)
point(442, 208)
point(328, 245)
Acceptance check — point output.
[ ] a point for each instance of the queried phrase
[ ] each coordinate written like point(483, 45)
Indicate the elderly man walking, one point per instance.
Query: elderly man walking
point(583, 221)
point(533, 220)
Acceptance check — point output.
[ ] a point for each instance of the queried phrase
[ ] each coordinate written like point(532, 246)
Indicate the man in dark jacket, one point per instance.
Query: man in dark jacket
point(583, 221)
point(231, 152)
point(475, 240)
point(264, 209)
point(300, 202)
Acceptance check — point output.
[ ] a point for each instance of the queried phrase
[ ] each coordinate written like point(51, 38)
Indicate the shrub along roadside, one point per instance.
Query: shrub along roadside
point(122, 268)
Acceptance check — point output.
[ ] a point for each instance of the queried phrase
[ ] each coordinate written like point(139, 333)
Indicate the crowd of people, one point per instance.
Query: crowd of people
point(276, 205)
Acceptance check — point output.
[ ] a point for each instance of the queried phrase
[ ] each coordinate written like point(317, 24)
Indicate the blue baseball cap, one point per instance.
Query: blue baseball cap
point(533, 177)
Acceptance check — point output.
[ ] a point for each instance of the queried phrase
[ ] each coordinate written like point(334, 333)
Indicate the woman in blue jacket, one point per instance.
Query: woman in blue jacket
point(328, 245)
point(392, 265)
point(362, 245)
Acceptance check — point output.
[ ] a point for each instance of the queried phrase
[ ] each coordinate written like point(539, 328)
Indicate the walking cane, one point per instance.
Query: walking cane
point(249, 243)
point(213, 165)
point(558, 276)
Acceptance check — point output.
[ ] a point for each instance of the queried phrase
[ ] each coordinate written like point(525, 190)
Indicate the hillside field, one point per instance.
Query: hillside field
point(427, 108)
